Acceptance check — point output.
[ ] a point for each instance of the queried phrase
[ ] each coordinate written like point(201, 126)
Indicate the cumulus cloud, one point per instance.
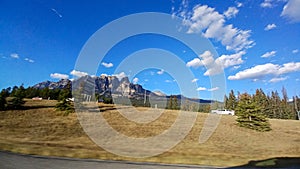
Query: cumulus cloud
point(231, 12)
point(195, 80)
point(215, 66)
point(160, 72)
point(213, 89)
point(267, 69)
point(207, 59)
point(266, 4)
point(270, 27)
point(291, 11)
point(78, 73)
point(107, 65)
point(295, 51)
point(206, 19)
point(205, 89)
point(201, 89)
point(135, 80)
point(29, 60)
point(230, 60)
point(120, 76)
point(15, 56)
point(277, 79)
point(269, 54)
point(59, 76)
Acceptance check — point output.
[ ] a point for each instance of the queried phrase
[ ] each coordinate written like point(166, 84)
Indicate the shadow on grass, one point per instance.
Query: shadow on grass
point(37, 107)
point(278, 162)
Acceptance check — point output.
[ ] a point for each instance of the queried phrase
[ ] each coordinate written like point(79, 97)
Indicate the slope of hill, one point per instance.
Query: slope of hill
point(39, 129)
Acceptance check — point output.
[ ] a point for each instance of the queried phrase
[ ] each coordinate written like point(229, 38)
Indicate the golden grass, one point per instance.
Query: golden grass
point(42, 130)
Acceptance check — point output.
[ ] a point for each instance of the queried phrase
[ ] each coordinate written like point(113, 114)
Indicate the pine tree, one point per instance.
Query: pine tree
point(170, 102)
point(17, 95)
point(231, 102)
point(175, 103)
point(64, 104)
point(226, 105)
point(2, 101)
point(250, 114)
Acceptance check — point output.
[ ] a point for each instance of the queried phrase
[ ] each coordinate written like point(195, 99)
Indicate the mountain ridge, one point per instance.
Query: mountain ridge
point(109, 86)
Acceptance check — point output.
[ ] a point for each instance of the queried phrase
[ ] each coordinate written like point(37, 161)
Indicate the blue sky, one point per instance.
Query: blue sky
point(257, 42)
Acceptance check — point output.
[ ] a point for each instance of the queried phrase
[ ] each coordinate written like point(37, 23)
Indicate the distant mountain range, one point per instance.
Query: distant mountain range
point(109, 86)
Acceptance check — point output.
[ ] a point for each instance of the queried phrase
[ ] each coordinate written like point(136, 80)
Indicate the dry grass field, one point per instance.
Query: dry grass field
point(40, 129)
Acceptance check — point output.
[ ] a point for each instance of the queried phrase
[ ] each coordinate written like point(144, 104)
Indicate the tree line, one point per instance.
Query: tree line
point(254, 110)
point(272, 106)
point(13, 98)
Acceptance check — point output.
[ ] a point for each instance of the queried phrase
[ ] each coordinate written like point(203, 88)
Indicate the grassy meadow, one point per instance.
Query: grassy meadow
point(40, 129)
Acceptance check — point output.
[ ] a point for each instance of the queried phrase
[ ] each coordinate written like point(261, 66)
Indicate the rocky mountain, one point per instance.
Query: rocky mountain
point(110, 86)
point(103, 85)
point(53, 85)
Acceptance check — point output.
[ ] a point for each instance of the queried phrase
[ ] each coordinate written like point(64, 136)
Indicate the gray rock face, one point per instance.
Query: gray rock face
point(102, 85)
point(53, 85)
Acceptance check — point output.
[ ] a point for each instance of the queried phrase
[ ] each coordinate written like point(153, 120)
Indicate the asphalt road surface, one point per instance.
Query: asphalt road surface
point(18, 161)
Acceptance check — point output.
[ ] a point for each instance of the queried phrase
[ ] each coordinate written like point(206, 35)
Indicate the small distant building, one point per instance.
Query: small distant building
point(70, 99)
point(223, 111)
point(37, 98)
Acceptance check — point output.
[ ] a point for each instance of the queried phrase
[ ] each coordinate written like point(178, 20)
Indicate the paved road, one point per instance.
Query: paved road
point(17, 161)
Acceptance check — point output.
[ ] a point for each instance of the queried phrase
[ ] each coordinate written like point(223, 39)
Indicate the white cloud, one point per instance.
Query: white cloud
point(78, 73)
point(277, 79)
point(230, 60)
point(196, 62)
point(201, 89)
point(55, 11)
point(107, 65)
point(212, 23)
point(59, 76)
point(195, 80)
point(269, 54)
point(231, 12)
point(266, 4)
point(29, 60)
point(15, 56)
point(236, 67)
point(239, 4)
point(120, 76)
point(295, 51)
point(291, 11)
point(213, 89)
point(205, 89)
point(216, 66)
point(206, 60)
point(168, 81)
point(160, 72)
point(135, 80)
point(270, 27)
point(268, 69)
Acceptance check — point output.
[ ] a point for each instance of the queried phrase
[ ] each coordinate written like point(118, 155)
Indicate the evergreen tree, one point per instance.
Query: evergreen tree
point(64, 104)
point(2, 101)
point(231, 102)
point(296, 101)
point(170, 102)
point(226, 105)
point(17, 95)
point(260, 98)
point(250, 114)
point(175, 103)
